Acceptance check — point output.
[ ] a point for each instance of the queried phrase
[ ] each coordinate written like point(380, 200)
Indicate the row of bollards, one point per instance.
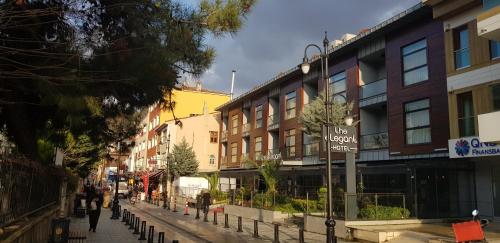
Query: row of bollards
point(133, 222)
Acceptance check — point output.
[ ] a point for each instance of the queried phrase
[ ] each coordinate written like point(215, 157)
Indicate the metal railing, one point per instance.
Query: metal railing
point(24, 189)
point(273, 120)
point(374, 141)
point(223, 135)
point(311, 149)
point(245, 129)
point(373, 89)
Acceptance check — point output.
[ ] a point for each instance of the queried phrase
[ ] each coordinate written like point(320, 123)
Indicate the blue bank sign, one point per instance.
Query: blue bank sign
point(471, 147)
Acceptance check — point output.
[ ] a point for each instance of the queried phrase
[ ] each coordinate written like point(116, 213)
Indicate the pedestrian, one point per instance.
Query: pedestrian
point(206, 201)
point(94, 203)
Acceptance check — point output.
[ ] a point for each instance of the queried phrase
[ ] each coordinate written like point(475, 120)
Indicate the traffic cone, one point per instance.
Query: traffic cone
point(186, 212)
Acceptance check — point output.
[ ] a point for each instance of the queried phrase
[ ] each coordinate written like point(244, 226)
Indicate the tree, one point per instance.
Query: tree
point(213, 181)
point(313, 116)
point(269, 170)
point(183, 160)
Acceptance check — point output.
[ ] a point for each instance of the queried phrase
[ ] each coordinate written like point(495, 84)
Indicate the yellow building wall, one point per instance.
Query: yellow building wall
point(192, 102)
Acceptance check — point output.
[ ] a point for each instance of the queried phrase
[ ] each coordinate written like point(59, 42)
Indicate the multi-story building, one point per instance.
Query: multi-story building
point(472, 50)
point(395, 75)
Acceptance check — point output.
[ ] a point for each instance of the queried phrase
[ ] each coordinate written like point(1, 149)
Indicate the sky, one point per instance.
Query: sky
point(274, 35)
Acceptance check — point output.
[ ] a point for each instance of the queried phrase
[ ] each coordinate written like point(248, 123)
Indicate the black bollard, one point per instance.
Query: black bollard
point(124, 214)
point(301, 235)
point(175, 241)
point(226, 221)
point(205, 217)
point(131, 223)
point(127, 218)
point(161, 237)
point(215, 217)
point(276, 233)
point(255, 228)
point(197, 213)
point(136, 226)
point(240, 229)
point(119, 210)
point(151, 234)
point(143, 231)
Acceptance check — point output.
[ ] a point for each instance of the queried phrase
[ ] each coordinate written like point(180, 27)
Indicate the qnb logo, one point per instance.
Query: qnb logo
point(462, 147)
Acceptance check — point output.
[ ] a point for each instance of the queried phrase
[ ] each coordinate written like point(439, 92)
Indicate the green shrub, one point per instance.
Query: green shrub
point(383, 212)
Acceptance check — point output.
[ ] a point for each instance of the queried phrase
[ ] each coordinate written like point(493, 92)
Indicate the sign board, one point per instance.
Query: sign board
point(270, 157)
point(488, 127)
point(470, 147)
point(343, 139)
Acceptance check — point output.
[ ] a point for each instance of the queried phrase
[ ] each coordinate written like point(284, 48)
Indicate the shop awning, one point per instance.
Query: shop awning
point(156, 174)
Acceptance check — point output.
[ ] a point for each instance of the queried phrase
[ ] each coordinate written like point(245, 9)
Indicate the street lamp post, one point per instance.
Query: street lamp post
point(166, 204)
point(116, 202)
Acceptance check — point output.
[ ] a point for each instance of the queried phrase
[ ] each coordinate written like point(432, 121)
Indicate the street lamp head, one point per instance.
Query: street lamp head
point(348, 119)
point(305, 66)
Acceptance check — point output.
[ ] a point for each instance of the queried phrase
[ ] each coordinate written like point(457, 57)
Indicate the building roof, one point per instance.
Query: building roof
point(199, 89)
point(364, 36)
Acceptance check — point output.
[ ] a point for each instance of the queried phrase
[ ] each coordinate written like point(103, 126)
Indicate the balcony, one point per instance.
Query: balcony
point(311, 149)
point(245, 128)
point(374, 141)
point(223, 136)
point(273, 121)
point(223, 162)
point(488, 23)
point(373, 93)
point(272, 154)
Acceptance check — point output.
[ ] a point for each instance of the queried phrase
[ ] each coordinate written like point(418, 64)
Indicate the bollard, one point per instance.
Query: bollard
point(175, 205)
point(131, 223)
point(197, 213)
point(136, 226)
point(301, 235)
point(175, 241)
point(124, 213)
point(276, 233)
point(255, 228)
point(161, 237)
point(205, 217)
point(151, 234)
point(226, 221)
point(143, 231)
point(215, 217)
point(239, 225)
point(119, 210)
point(186, 208)
point(127, 219)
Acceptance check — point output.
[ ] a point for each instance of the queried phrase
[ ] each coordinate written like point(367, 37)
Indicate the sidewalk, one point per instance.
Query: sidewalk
point(107, 230)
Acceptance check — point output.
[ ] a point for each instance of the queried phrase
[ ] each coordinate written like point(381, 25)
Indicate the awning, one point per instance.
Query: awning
point(156, 174)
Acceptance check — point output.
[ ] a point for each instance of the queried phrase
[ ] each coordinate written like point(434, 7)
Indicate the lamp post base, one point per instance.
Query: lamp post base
point(330, 230)
point(116, 209)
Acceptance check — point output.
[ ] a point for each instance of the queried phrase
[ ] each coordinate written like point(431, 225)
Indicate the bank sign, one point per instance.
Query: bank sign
point(469, 147)
point(342, 139)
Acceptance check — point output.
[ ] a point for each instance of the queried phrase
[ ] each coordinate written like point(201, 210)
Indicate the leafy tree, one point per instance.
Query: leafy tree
point(183, 160)
point(269, 170)
point(213, 181)
point(313, 116)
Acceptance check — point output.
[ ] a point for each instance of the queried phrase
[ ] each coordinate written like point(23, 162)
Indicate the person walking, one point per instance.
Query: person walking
point(94, 201)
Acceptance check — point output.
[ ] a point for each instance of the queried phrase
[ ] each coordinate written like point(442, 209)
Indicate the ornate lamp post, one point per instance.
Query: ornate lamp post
point(305, 67)
point(166, 203)
point(116, 202)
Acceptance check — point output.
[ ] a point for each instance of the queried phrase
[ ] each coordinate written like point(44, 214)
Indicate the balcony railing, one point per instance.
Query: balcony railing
point(273, 121)
point(223, 136)
point(373, 89)
point(375, 141)
point(487, 26)
point(311, 149)
point(245, 128)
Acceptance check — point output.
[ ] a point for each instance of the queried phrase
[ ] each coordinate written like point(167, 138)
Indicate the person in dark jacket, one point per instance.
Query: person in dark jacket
point(94, 203)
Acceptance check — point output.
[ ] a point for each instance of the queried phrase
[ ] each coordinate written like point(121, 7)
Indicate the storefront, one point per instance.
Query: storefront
point(486, 160)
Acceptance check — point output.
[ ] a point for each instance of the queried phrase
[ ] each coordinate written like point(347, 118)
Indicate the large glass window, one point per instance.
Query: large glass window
point(465, 115)
point(290, 105)
point(415, 62)
point(258, 116)
point(234, 124)
point(494, 49)
point(495, 93)
point(234, 152)
point(417, 121)
point(258, 148)
point(338, 86)
point(290, 142)
point(461, 47)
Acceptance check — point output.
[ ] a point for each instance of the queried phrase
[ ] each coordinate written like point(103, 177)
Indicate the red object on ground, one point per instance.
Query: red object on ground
point(186, 212)
point(217, 209)
point(468, 231)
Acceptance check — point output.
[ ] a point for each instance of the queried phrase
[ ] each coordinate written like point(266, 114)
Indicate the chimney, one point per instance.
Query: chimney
point(232, 85)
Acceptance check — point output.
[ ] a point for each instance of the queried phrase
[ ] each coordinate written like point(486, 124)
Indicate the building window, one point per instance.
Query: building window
point(465, 115)
point(258, 148)
point(211, 159)
point(494, 49)
point(415, 63)
point(213, 137)
point(461, 47)
point(290, 105)
point(495, 93)
point(417, 118)
point(290, 143)
point(234, 152)
point(338, 87)
point(258, 116)
point(234, 124)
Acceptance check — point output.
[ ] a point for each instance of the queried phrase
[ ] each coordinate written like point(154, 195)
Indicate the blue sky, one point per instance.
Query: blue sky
point(275, 33)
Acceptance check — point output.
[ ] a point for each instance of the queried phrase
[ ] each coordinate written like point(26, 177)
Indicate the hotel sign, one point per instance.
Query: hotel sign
point(470, 147)
point(343, 139)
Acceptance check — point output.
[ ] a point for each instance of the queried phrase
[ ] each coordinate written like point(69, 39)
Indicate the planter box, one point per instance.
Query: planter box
point(262, 215)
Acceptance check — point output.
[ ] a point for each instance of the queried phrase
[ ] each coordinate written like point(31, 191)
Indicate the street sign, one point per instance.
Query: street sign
point(342, 139)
